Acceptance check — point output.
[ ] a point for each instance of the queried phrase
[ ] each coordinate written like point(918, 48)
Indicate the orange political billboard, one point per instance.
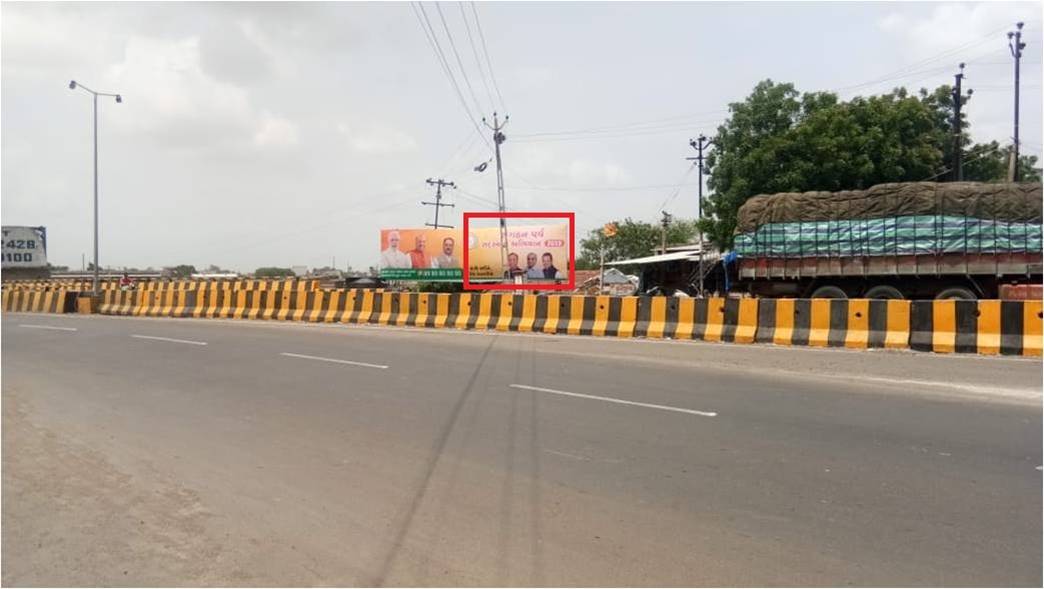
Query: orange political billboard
point(421, 254)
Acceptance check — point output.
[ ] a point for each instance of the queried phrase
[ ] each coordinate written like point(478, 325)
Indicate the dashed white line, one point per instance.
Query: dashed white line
point(48, 327)
point(334, 360)
point(170, 339)
point(612, 400)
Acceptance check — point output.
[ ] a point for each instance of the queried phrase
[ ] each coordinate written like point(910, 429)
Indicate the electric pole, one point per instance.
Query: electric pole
point(664, 223)
point(438, 184)
point(1016, 48)
point(498, 138)
point(958, 172)
point(698, 144)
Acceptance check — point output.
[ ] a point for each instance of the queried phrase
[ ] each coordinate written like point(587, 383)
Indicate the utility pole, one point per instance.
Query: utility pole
point(958, 98)
point(1016, 48)
point(438, 184)
point(664, 223)
point(698, 144)
point(498, 138)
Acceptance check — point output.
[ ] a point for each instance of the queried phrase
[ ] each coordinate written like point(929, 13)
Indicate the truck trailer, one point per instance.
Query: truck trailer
point(916, 240)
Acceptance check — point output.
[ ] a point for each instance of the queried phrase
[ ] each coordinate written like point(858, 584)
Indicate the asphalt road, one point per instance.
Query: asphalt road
point(253, 453)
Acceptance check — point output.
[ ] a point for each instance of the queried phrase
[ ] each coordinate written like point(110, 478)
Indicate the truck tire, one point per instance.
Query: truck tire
point(956, 293)
point(884, 292)
point(829, 292)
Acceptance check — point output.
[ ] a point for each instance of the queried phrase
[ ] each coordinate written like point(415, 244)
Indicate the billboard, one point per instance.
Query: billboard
point(534, 252)
point(24, 247)
point(537, 253)
point(421, 254)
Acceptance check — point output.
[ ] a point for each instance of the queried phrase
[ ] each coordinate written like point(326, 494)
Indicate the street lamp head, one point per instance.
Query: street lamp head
point(72, 84)
point(119, 98)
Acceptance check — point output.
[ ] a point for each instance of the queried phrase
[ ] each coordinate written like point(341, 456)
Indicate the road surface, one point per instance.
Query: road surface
point(205, 452)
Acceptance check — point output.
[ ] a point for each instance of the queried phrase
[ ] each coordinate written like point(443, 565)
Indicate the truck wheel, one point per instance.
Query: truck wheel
point(829, 292)
point(956, 293)
point(884, 292)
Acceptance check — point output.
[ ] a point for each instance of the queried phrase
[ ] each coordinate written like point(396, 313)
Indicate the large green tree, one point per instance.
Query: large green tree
point(633, 239)
point(778, 140)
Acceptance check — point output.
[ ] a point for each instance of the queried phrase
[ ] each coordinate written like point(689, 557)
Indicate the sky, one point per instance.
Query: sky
point(281, 134)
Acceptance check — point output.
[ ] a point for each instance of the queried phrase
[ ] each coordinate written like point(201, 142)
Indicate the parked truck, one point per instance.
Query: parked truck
point(958, 240)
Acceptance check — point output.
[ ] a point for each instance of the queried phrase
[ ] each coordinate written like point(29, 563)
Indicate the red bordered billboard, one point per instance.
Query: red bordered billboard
point(569, 282)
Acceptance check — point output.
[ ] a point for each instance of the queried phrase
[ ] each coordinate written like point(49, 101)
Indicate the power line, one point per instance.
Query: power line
point(474, 52)
point(460, 63)
point(638, 126)
point(638, 132)
point(476, 198)
point(429, 33)
point(485, 51)
point(979, 155)
point(601, 188)
point(907, 68)
point(677, 188)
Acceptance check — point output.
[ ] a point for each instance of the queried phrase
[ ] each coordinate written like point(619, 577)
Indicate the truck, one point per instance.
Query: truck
point(915, 240)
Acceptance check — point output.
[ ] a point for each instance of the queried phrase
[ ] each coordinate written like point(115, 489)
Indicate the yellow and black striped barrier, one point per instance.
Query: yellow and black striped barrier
point(35, 301)
point(983, 327)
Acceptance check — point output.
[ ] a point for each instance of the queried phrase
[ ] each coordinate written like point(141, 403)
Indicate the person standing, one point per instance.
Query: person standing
point(549, 266)
point(392, 257)
point(532, 270)
point(446, 259)
point(418, 257)
point(513, 269)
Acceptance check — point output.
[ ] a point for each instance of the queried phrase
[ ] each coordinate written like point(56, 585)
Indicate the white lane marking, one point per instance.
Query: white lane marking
point(170, 339)
point(334, 360)
point(612, 400)
point(567, 455)
point(48, 327)
point(1040, 468)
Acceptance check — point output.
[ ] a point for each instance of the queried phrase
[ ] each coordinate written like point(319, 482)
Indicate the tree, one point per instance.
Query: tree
point(633, 239)
point(778, 140)
point(988, 162)
point(182, 271)
point(272, 272)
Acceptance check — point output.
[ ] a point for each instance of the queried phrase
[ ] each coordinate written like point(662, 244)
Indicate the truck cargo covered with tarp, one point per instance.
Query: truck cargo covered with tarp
point(902, 229)
point(893, 219)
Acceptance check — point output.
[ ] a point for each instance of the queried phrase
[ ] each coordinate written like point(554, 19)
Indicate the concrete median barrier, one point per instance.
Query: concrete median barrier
point(36, 301)
point(837, 323)
point(983, 327)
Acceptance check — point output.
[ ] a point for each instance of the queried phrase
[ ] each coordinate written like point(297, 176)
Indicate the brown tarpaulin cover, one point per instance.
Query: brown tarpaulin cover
point(1020, 202)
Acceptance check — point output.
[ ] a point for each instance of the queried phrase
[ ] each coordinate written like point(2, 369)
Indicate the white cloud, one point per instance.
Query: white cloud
point(275, 132)
point(950, 26)
point(377, 140)
point(586, 172)
point(169, 97)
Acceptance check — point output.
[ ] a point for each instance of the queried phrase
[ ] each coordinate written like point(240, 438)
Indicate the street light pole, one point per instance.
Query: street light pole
point(72, 86)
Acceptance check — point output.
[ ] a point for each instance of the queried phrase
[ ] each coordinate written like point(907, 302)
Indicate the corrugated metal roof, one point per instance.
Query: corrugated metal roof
point(668, 257)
